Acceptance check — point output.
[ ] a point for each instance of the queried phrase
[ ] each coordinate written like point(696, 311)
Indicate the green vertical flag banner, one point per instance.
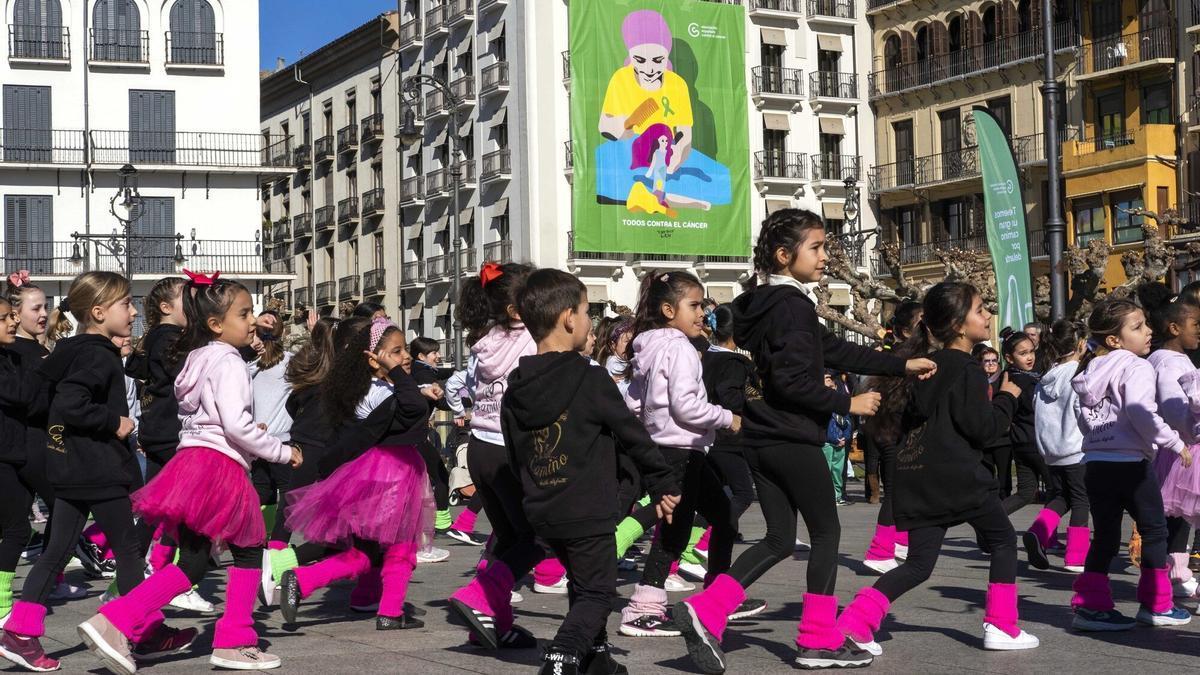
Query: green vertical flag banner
point(1004, 205)
point(659, 127)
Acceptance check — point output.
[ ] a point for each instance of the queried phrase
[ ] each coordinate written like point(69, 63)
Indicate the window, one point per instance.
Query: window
point(327, 117)
point(827, 61)
point(831, 156)
point(378, 246)
point(352, 257)
point(500, 135)
point(193, 37)
point(1001, 109)
point(376, 97)
point(117, 31)
point(1127, 227)
point(377, 175)
point(1110, 120)
point(27, 128)
point(37, 30)
point(1089, 221)
point(989, 25)
point(29, 233)
point(153, 233)
point(1156, 103)
point(151, 126)
point(955, 31)
point(953, 218)
point(306, 122)
point(501, 226)
point(351, 107)
point(775, 152)
point(836, 226)
point(905, 167)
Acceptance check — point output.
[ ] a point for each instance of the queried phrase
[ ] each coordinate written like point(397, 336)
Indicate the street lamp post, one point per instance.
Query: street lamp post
point(853, 236)
point(126, 207)
point(408, 134)
point(1056, 234)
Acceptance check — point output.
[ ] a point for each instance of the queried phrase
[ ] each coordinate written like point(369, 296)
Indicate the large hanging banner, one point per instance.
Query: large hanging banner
point(660, 127)
point(1004, 208)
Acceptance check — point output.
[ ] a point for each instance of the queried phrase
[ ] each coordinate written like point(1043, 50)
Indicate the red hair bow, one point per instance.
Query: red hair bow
point(201, 279)
point(489, 273)
point(19, 278)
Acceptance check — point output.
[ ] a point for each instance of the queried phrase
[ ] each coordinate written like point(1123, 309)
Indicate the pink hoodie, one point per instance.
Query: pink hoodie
point(495, 355)
point(1169, 366)
point(667, 392)
point(1118, 413)
point(216, 407)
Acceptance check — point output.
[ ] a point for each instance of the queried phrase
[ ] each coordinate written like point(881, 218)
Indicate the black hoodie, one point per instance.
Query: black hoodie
point(779, 326)
point(87, 402)
point(1022, 432)
point(560, 417)
point(730, 381)
point(940, 476)
point(29, 357)
point(158, 432)
point(402, 419)
point(24, 390)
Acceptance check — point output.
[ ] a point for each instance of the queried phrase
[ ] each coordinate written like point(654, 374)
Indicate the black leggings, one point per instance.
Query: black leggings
point(513, 540)
point(701, 491)
point(593, 583)
point(115, 518)
point(887, 474)
point(195, 552)
point(1031, 469)
point(792, 477)
point(1115, 488)
point(734, 472)
point(18, 486)
point(1178, 532)
point(1069, 493)
point(438, 474)
point(999, 460)
point(272, 483)
point(925, 545)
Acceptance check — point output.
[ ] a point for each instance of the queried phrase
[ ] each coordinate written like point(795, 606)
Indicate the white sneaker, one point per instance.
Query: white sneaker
point(701, 553)
point(901, 552)
point(873, 648)
point(1077, 569)
point(881, 566)
point(692, 570)
point(557, 588)
point(996, 639)
point(516, 597)
point(109, 594)
point(802, 545)
point(68, 591)
point(1184, 589)
point(192, 602)
point(432, 554)
point(676, 584)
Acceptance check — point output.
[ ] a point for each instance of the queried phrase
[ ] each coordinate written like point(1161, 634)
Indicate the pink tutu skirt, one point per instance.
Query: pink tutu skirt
point(1180, 485)
point(383, 496)
point(209, 493)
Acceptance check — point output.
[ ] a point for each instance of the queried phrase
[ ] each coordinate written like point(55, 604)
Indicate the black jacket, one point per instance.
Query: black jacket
point(1022, 432)
point(158, 432)
point(24, 390)
point(940, 476)
point(560, 417)
point(730, 381)
point(310, 430)
point(29, 357)
point(779, 326)
point(87, 402)
point(403, 419)
point(423, 374)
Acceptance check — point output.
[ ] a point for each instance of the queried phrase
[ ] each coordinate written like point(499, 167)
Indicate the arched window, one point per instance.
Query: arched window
point(117, 32)
point(1024, 16)
point(989, 25)
point(193, 37)
point(37, 30)
point(955, 31)
point(923, 43)
point(891, 51)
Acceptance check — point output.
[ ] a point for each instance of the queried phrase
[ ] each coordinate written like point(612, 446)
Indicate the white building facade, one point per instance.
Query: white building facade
point(167, 86)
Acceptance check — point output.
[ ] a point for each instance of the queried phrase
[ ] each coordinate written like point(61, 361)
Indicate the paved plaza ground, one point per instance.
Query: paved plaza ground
point(934, 629)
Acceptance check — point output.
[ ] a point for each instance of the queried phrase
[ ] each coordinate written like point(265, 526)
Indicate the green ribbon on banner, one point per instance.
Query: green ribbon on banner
point(1004, 207)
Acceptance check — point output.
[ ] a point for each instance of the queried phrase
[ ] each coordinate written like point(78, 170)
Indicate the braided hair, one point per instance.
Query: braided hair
point(202, 301)
point(784, 229)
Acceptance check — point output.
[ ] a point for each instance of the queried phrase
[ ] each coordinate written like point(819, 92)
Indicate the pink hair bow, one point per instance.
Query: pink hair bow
point(201, 279)
point(19, 278)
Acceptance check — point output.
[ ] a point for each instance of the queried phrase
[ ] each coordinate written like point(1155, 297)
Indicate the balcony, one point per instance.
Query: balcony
point(324, 219)
point(412, 191)
point(1031, 149)
point(410, 34)
point(302, 226)
point(946, 167)
point(1124, 53)
point(938, 69)
point(786, 168)
point(1038, 248)
point(1135, 145)
point(278, 260)
point(441, 267)
point(348, 287)
point(774, 84)
point(347, 138)
point(832, 87)
point(41, 146)
point(569, 160)
point(461, 11)
point(916, 254)
point(280, 233)
point(279, 155)
point(464, 89)
point(372, 203)
point(117, 47)
point(325, 293)
point(347, 211)
point(494, 79)
point(835, 168)
point(154, 256)
point(302, 297)
point(439, 184)
point(302, 157)
point(191, 148)
point(412, 274)
point(323, 149)
point(374, 283)
point(773, 9)
point(723, 267)
point(39, 43)
point(195, 50)
point(577, 260)
point(436, 105)
point(498, 251)
point(372, 128)
point(566, 70)
point(840, 11)
point(435, 21)
point(497, 166)
point(487, 5)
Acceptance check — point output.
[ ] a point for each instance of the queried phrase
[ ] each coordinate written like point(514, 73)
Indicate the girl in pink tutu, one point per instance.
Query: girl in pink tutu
point(203, 496)
point(377, 504)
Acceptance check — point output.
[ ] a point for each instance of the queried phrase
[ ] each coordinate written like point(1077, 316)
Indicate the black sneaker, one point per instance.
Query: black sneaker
point(515, 638)
point(1035, 552)
point(558, 663)
point(703, 647)
point(849, 655)
point(90, 557)
point(401, 622)
point(289, 596)
point(649, 626)
point(33, 549)
point(483, 627)
point(751, 607)
point(164, 641)
point(471, 538)
point(600, 661)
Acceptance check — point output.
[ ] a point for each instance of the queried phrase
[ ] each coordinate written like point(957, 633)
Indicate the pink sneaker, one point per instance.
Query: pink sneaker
point(26, 652)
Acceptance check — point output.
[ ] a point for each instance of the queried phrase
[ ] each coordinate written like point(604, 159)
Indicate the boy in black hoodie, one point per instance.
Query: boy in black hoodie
point(560, 417)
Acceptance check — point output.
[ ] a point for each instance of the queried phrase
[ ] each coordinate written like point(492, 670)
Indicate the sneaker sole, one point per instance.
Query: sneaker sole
point(737, 616)
point(113, 660)
point(462, 538)
point(1163, 622)
point(637, 632)
point(1035, 552)
point(16, 658)
point(155, 656)
point(702, 646)
point(1100, 627)
point(267, 579)
point(242, 665)
point(432, 561)
point(878, 566)
point(550, 590)
point(484, 633)
point(824, 664)
point(1009, 646)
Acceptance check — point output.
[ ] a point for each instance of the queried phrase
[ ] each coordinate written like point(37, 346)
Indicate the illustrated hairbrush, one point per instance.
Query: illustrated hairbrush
point(641, 113)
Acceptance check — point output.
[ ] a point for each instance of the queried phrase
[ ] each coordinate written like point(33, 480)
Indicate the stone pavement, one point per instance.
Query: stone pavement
point(935, 629)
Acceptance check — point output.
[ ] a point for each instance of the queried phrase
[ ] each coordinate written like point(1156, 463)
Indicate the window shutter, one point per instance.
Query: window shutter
point(1035, 15)
point(908, 48)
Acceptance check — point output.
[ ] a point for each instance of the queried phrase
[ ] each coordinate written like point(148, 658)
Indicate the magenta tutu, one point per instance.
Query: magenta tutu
point(1180, 485)
point(383, 496)
point(209, 493)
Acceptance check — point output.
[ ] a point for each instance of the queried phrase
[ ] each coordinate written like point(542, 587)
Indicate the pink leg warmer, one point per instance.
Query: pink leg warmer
point(398, 565)
point(1179, 567)
point(132, 610)
point(702, 545)
point(27, 619)
point(549, 571)
point(96, 536)
point(674, 567)
point(465, 522)
point(1154, 589)
point(345, 565)
point(883, 544)
point(1001, 609)
point(901, 538)
point(368, 589)
point(645, 601)
point(1045, 525)
point(1093, 593)
point(161, 556)
point(714, 604)
point(1079, 540)
point(148, 626)
point(862, 617)
point(235, 628)
point(818, 623)
point(275, 545)
point(491, 593)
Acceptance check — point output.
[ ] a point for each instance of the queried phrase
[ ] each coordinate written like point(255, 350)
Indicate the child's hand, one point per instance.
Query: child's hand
point(256, 344)
point(460, 422)
point(666, 506)
point(125, 428)
point(922, 368)
point(736, 425)
point(865, 405)
point(297, 456)
point(1185, 456)
point(432, 392)
point(386, 361)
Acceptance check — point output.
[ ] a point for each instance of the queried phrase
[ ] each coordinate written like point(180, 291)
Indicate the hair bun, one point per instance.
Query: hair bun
point(64, 305)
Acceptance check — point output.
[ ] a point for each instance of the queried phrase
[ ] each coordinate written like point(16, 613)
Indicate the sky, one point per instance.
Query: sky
point(292, 28)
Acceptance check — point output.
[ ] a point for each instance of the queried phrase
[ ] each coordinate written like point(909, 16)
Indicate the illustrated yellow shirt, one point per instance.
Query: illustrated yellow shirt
point(673, 103)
